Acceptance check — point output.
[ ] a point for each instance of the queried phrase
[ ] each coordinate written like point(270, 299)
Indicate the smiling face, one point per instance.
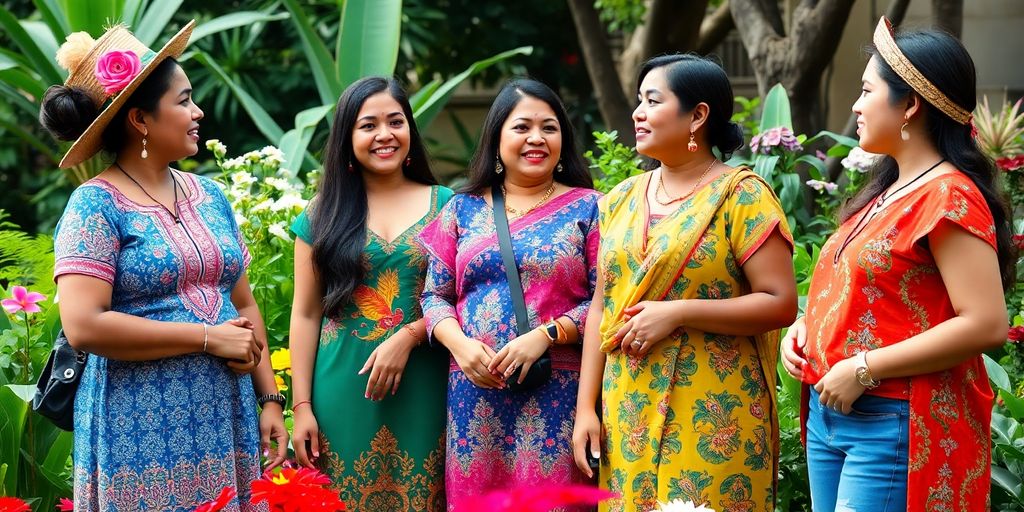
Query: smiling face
point(380, 137)
point(878, 121)
point(661, 130)
point(531, 140)
point(173, 130)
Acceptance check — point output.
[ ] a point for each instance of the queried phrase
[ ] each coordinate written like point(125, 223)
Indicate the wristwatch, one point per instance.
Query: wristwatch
point(271, 397)
point(550, 330)
point(863, 373)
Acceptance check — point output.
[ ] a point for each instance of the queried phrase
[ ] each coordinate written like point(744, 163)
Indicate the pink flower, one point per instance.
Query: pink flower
point(22, 300)
point(534, 499)
point(226, 495)
point(66, 505)
point(1018, 240)
point(1010, 163)
point(116, 68)
point(1016, 334)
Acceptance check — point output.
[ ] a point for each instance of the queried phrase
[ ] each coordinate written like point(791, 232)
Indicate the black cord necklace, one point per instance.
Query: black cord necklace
point(862, 222)
point(176, 214)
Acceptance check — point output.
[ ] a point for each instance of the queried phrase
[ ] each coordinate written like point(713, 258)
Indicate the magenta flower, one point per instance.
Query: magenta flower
point(116, 69)
point(22, 300)
point(779, 136)
point(66, 505)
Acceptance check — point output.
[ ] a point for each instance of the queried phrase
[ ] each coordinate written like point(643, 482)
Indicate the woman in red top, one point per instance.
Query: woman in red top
point(906, 296)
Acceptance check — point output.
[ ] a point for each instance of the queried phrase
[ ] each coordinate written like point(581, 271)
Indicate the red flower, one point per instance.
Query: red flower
point(296, 490)
point(1018, 240)
point(66, 505)
point(226, 495)
point(534, 499)
point(1010, 163)
point(12, 504)
point(1016, 334)
point(570, 59)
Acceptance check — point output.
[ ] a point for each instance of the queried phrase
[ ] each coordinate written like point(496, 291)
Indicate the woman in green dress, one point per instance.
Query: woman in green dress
point(369, 395)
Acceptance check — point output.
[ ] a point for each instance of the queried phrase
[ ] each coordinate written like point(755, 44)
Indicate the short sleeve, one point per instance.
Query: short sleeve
point(957, 202)
point(753, 214)
point(441, 236)
point(301, 228)
point(87, 240)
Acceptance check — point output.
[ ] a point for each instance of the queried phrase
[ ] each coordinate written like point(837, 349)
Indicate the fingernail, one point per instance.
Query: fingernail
point(266, 453)
point(366, 395)
point(596, 455)
point(316, 455)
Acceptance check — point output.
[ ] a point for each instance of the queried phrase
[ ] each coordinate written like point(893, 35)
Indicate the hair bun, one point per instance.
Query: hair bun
point(729, 139)
point(66, 112)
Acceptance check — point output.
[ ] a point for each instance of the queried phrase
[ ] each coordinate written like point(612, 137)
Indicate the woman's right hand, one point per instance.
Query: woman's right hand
point(586, 435)
point(473, 356)
point(305, 429)
point(793, 349)
point(232, 341)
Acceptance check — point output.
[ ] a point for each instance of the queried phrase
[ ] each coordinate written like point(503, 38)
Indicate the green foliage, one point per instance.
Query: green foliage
point(25, 259)
point(621, 15)
point(1007, 441)
point(34, 454)
point(615, 163)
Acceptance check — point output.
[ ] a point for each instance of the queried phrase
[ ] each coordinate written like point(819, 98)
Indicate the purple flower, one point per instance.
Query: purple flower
point(820, 186)
point(775, 137)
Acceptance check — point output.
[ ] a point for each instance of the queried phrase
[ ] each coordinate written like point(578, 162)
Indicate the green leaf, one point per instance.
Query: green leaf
point(417, 100)
point(54, 17)
point(1000, 379)
point(154, 21)
point(19, 79)
point(320, 60)
point(42, 62)
point(1007, 480)
point(368, 42)
point(764, 166)
point(1012, 403)
point(18, 131)
point(12, 424)
point(132, 12)
point(233, 20)
point(266, 124)
point(437, 100)
point(776, 109)
point(789, 195)
point(295, 141)
point(817, 167)
point(91, 16)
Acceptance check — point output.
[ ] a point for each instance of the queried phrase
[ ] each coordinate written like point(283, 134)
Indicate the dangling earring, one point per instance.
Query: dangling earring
point(903, 131)
point(498, 168)
point(350, 168)
point(145, 154)
point(408, 160)
point(558, 168)
point(692, 145)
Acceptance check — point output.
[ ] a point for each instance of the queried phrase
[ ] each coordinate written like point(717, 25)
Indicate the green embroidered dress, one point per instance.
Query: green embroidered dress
point(386, 455)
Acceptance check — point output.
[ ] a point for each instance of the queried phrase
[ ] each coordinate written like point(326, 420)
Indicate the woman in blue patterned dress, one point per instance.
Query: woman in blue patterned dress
point(497, 437)
point(150, 270)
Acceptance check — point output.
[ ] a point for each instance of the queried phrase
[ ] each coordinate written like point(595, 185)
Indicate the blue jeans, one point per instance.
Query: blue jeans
point(858, 462)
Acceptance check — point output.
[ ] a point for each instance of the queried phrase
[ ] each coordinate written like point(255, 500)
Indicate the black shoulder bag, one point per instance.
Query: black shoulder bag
point(58, 382)
point(540, 371)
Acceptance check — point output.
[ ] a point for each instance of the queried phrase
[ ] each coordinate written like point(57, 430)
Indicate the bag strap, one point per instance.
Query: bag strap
point(508, 256)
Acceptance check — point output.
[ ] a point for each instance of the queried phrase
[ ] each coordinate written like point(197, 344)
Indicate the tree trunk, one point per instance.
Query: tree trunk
point(715, 28)
point(669, 26)
point(949, 15)
point(597, 55)
point(796, 60)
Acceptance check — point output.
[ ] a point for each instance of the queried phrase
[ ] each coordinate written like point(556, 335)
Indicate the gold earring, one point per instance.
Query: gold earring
point(145, 154)
point(692, 145)
point(498, 168)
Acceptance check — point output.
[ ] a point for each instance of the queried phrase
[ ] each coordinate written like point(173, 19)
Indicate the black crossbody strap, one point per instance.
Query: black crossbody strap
point(509, 258)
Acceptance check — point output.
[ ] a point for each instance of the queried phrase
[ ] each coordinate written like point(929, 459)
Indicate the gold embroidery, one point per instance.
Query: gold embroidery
point(915, 274)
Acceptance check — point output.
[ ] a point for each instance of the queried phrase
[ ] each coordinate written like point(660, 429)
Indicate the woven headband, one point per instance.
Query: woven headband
point(886, 45)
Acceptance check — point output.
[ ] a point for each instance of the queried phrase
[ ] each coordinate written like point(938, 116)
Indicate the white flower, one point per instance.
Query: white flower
point(818, 185)
point(242, 179)
point(681, 506)
point(252, 156)
point(233, 163)
point(859, 160)
point(266, 204)
point(272, 155)
point(218, 148)
point(288, 201)
point(278, 183)
point(240, 220)
point(277, 229)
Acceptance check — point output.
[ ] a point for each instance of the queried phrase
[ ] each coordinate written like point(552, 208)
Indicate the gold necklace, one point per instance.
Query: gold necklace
point(518, 213)
point(661, 186)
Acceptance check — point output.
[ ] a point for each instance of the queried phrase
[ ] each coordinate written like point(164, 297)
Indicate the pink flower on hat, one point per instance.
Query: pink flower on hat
point(116, 69)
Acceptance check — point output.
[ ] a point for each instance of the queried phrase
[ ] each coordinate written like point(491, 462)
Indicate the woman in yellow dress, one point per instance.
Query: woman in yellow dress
point(695, 278)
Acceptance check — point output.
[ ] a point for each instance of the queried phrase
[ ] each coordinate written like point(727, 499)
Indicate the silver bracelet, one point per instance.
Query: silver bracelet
point(206, 337)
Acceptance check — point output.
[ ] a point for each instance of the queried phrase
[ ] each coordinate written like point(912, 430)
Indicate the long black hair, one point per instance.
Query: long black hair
point(694, 80)
point(944, 61)
point(574, 171)
point(338, 213)
point(66, 112)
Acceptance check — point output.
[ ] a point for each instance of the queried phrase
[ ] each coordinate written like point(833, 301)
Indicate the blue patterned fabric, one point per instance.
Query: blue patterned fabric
point(167, 434)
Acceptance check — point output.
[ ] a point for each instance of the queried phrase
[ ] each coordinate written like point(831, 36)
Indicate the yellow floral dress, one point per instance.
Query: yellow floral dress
point(695, 418)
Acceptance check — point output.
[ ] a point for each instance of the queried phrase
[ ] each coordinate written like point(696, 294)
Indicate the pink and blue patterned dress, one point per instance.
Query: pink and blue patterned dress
point(500, 439)
point(167, 434)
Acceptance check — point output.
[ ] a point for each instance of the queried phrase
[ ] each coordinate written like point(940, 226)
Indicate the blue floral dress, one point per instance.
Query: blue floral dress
point(166, 434)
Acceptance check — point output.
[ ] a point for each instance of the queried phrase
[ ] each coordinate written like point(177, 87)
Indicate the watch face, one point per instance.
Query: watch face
point(552, 331)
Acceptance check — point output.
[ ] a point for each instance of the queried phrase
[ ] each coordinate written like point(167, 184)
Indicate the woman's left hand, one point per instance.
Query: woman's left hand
point(520, 352)
point(839, 388)
point(648, 323)
point(386, 365)
point(272, 428)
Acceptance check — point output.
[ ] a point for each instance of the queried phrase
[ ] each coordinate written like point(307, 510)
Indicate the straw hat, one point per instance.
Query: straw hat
point(87, 62)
